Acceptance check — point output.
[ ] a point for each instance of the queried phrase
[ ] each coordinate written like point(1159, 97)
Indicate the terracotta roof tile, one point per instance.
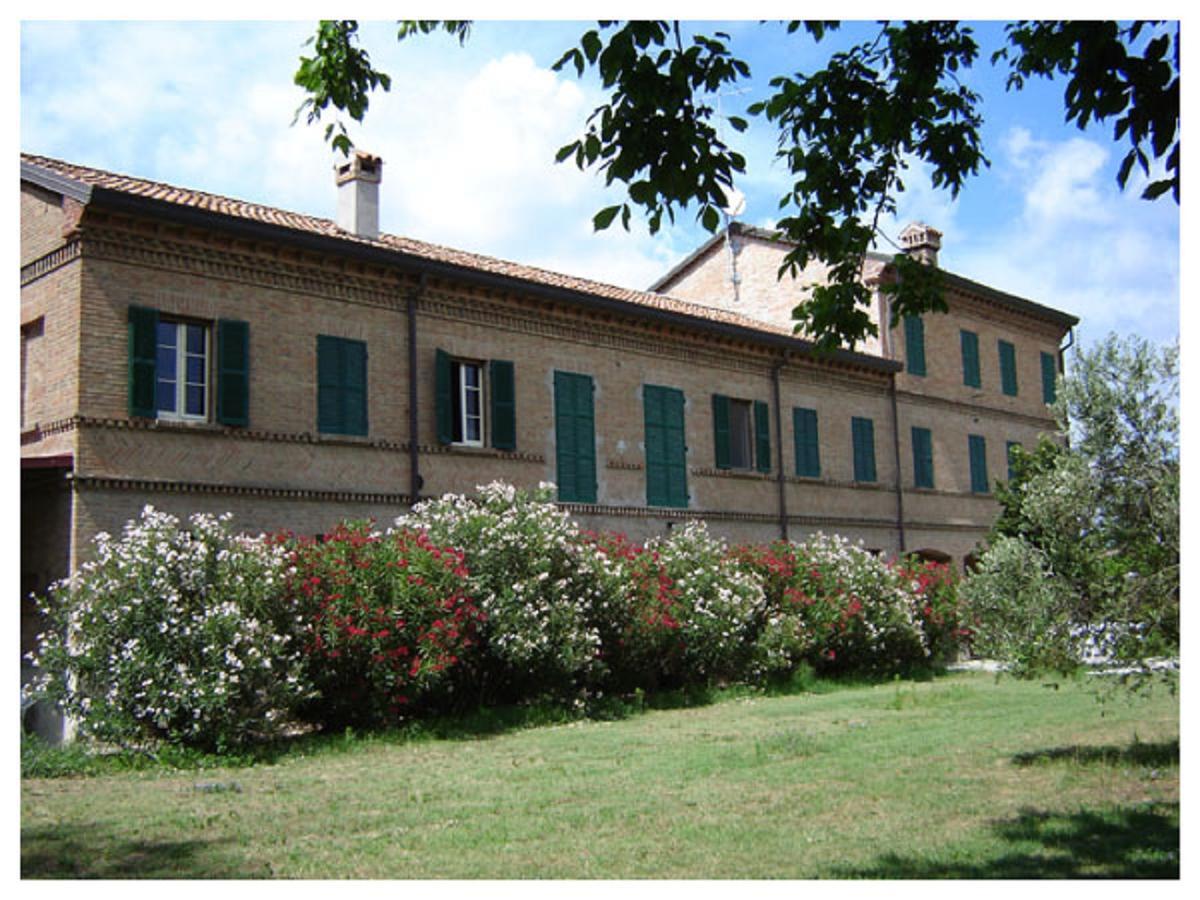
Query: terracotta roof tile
point(141, 187)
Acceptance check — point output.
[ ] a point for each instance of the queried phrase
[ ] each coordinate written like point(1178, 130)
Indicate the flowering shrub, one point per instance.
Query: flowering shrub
point(836, 606)
point(934, 588)
point(638, 620)
point(386, 619)
point(720, 607)
point(173, 633)
point(538, 586)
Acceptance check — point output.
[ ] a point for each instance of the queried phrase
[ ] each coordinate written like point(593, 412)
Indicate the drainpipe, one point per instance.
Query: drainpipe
point(783, 514)
point(414, 463)
point(899, 480)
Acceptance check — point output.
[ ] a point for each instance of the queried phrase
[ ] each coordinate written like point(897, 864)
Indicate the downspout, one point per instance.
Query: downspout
point(899, 480)
point(1062, 351)
point(414, 461)
point(783, 513)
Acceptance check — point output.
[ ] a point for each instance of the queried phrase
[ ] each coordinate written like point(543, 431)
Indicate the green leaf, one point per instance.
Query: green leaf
point(605, 217)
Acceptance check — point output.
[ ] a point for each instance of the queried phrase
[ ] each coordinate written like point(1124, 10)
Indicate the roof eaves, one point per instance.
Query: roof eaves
point(119, 200)
point(53, 181)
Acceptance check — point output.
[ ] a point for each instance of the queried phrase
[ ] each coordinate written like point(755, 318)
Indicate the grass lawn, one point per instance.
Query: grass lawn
point(961, 777)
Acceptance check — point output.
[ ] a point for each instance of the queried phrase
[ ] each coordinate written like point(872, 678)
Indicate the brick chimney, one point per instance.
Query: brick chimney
point(922, 242)
point(358, 194)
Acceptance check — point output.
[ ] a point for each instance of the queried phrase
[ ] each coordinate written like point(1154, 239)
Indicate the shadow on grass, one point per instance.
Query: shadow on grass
point(65, 851)
point(1159, 755)
point(1126, 842)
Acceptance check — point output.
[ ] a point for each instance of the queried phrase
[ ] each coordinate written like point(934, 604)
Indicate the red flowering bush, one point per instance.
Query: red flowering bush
point(638, 616)
point(832, 604)
point(935, 596)
point(385, 617)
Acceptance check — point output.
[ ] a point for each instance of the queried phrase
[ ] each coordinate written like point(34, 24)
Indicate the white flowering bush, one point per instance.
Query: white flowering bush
point(719, 606)
point(535, 581)
point(173, 633)
point(837, 607)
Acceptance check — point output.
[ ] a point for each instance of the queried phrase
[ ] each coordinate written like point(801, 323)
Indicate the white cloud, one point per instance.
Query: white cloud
point(1080, 244)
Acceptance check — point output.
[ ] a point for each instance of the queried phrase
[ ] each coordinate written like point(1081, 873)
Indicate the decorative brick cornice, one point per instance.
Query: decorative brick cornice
point(55, 259)
point(480, 452)
point(208, 429)
point(148, 485)
point(39, 431)
point(258, 267)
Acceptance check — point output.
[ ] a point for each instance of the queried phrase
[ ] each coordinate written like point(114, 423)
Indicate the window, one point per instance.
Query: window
point(914, 345)
point(922, 449)
point(1008, 368)
point(473, 398)
point(977, 452)
point(1049, 378)
point(970, 359)
point(741, 434)
point(1008, 452)
point(341, 385)
point(666, 447)
point(172, 368)
point(862, 432)
point(181, 370)
point(575, 437)
point(808, 447)
point(31, 333)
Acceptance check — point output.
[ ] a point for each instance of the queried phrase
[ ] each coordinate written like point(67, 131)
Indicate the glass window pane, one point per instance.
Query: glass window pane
point(195, 400)
point(470, 375)
point(195, 339)
point(472, 401)
point(166, 334)
point(195, 369)
point(166, 363)
point(473, 432)
point(166, 396)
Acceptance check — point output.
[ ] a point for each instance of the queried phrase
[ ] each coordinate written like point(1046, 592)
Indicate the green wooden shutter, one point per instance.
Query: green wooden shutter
point(863, 439)
point(143, 365)
point(808, 450)
point(914, 345)
point(762, 436)
point(341, 385)
point(666, 448)
point(354, 387)
point(575, 437)
point(922, 448)
point(721, 453)
point(970, 359)
point(329, 367)
point(233, 372)
point(1049, 377)
point(443, 397)
point(504, 405)
point(977, 451)
point(1008, 368)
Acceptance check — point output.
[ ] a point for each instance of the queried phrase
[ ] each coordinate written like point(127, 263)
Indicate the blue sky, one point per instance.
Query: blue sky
point(468, 136)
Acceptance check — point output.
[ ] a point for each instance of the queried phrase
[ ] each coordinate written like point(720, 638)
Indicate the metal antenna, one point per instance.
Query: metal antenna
point(735, 201)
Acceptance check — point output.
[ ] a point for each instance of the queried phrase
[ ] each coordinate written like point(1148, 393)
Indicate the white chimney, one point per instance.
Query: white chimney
point(922, 242)
point(358, 194)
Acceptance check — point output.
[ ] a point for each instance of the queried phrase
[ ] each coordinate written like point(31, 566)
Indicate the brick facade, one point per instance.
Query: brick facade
point(86, 262)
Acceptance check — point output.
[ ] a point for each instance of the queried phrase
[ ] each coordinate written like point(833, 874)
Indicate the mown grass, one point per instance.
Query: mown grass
point(962, 777)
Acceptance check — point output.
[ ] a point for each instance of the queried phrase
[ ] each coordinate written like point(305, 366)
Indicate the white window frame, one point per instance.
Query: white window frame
point(180, 414)
point(462, 389)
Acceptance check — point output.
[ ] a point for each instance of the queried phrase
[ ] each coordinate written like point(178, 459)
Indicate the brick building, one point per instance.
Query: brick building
point(206, 354)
